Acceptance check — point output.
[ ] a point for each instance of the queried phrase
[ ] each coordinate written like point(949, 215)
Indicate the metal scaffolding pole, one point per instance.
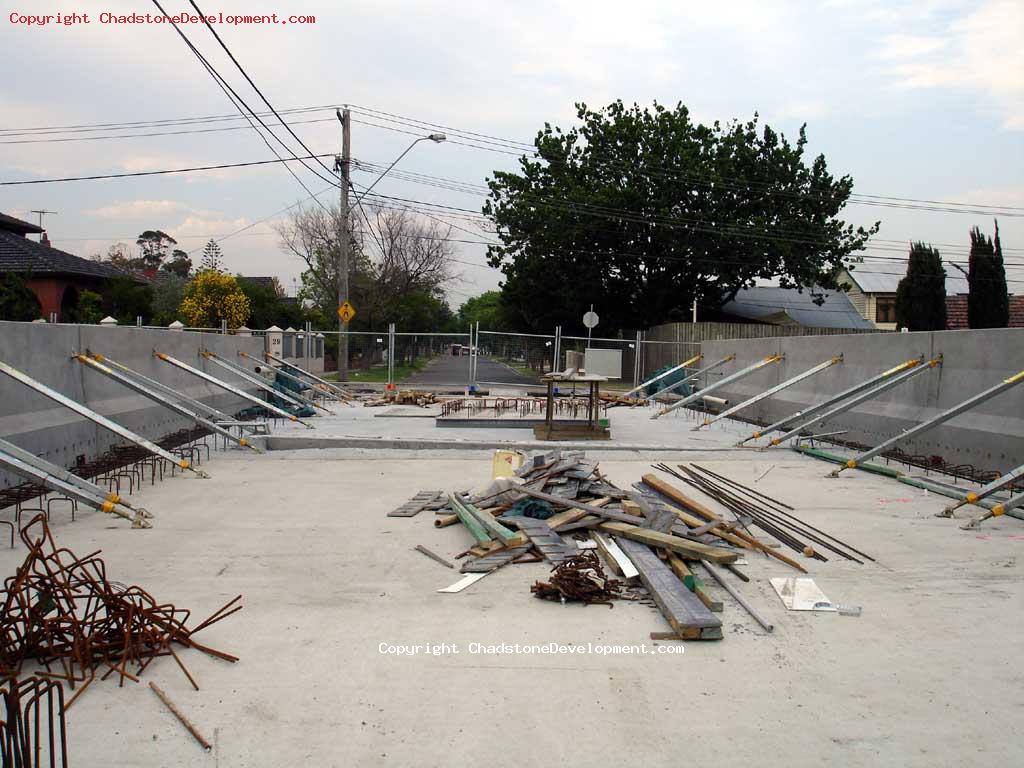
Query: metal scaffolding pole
point(96, 418)
point(853, 402)
point(279, 370)
point(941, 418)
point(53, 483)
point(996, 511)
point(296, 398)
point(720, 383)
point(691, 377)
point(13, 457)
point(342, 393)
point(157, 386)
point(828, 402)
point(696, 358)
point(973, 497)
point(232, 389)
point(774, 390)
point(178, 408)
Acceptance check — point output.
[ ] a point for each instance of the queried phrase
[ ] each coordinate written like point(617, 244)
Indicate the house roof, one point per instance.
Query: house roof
point(19, 254)
point(11, 224)
point(769, 304)
point(885, 278)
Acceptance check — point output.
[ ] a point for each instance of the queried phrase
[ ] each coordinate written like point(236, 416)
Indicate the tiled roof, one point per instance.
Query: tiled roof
point(19, 254)
point(768, 304)
point(1017, 311)
point(12, 224)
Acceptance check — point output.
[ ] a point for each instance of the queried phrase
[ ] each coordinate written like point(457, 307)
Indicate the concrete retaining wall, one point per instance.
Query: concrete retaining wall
point(989, 437)
point(43, 351)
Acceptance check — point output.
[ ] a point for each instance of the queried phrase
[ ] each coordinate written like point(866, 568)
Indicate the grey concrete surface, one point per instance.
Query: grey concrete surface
point(988, 437)
point(43, 351)
point(925, 677)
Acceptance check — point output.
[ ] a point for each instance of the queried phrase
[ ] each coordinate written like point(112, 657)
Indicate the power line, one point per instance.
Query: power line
point(238, 102)
point(251, 83)
point(192, 169)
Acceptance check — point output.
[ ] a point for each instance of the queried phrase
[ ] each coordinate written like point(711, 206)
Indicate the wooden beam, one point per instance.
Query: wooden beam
point(685, 613)
point(692, 549)
point(694, 584)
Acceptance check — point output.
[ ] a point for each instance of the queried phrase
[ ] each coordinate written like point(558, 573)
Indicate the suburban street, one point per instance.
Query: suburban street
point(449, 370)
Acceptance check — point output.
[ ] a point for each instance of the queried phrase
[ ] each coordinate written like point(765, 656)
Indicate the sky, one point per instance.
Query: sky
point(920, 99)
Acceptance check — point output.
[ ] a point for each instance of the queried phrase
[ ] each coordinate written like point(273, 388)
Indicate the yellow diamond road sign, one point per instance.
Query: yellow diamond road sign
point(346, 312)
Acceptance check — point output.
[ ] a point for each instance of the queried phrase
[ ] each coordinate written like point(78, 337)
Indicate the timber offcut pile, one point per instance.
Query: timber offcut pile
point(404, 397)
point(560, 508)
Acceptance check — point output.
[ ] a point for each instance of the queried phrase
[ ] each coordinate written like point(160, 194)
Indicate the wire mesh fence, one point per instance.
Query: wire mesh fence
point(514, 358)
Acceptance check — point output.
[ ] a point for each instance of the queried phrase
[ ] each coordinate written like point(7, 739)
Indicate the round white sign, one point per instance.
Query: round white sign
point(590, 320)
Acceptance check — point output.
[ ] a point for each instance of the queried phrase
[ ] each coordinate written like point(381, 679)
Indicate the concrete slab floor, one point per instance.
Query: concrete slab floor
point(926, 676)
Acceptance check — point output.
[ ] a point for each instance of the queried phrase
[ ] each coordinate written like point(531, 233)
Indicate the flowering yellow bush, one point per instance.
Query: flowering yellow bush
point(211, 297)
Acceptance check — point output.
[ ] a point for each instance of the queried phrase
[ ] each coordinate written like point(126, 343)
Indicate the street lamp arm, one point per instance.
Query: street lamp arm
point(437, 138)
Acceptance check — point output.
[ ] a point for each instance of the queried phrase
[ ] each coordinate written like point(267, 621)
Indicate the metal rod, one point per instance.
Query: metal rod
point(696, 358)
point(96, 418)
point(297, 398)
point(853, 402)
point(743, 373)
point(279, 370)
point(691, 377)
point(736, 595)
point(135, 386)
point(973, 497)
point(228, 387)
point(181, 718)
point(157, 386)
point(274, 358)
point(830, 401)
point(933, 422)
point(996, 511)
point(773, 391)
point(252, 378)
point(56, 479)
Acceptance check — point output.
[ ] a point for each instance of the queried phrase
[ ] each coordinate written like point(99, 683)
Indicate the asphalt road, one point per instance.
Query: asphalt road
point(454, 371)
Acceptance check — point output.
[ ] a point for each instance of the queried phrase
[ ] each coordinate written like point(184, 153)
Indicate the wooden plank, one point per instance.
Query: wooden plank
point(572, 515)
point(692, 549)
point(694, 584)
point(615, 557)
point(493, 560)
point(467, 580)
point(416, 504)
point(546, 540)
point(685, 613)
point(433, 556)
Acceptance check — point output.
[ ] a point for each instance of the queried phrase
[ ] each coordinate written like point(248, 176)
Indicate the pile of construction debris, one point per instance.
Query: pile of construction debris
point(404, 397)
point(559, 507)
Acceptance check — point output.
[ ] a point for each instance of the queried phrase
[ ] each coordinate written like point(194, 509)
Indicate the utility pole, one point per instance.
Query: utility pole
point(344, 239)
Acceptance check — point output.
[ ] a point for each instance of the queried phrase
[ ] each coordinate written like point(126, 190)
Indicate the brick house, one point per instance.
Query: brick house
point(54, 276)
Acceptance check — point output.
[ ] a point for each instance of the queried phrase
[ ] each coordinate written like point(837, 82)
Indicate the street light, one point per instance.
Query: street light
point(437, 138)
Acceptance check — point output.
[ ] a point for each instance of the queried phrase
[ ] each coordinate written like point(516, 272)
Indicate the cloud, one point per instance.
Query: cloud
point(979, 52)
point(136, 209)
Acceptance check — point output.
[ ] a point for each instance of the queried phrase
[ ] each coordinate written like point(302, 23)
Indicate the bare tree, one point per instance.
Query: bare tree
point(395, 252)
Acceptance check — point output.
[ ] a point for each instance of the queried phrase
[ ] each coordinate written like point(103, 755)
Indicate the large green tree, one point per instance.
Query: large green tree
point(154, 245)
point(488, 309)
point(921, 295)
point(641, 211)
point(17, 301)
point(988, 305)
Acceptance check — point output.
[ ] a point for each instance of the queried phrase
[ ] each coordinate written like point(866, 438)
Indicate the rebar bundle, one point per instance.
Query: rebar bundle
point(62, 612)
point(32, 723)
point(580, 579)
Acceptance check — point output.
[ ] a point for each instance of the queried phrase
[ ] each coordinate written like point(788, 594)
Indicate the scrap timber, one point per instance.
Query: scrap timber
point(559, 507)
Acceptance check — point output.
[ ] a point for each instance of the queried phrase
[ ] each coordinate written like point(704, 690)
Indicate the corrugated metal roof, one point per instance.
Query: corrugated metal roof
point(767, 303)
point(886, 279)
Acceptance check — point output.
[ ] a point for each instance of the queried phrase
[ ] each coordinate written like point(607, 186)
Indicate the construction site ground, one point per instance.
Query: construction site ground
point(925, 676)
